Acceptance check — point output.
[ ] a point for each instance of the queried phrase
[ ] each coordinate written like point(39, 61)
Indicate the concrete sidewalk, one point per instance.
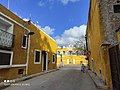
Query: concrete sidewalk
point(4, 85)
point(97, 81)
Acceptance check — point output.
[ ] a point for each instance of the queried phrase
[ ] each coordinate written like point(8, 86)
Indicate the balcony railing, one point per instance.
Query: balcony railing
point(6, 39)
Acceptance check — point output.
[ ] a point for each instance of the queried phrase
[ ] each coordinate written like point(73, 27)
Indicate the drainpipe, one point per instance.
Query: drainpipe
point(28, 50)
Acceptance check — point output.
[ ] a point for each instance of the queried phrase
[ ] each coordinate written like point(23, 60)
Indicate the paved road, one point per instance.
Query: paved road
point(67, 78)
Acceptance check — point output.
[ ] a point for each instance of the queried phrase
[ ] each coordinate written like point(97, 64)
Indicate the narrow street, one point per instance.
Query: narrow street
point(67, 78)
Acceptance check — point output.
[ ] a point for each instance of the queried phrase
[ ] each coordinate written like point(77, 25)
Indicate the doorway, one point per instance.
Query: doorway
point(114, 54)
point(92, 65)
point(44, 61)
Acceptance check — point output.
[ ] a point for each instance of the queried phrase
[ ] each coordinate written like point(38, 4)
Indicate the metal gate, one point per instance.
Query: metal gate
point(114, 54)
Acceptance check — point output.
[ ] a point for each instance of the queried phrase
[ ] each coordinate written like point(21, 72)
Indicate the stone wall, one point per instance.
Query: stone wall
point(109, 19)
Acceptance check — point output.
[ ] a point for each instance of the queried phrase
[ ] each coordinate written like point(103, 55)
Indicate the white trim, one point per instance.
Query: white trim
point(8, 22)
point(54, 59)
point(73, 61)
point(19, 65)
point(26, 41)
point(14, 21)
point(46, 61)
point(67, 61)
point(35, 56)
point(28, 50)
point(5, 66)
point(11, 59)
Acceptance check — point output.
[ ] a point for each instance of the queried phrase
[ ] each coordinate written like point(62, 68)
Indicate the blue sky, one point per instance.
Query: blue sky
point(59, 18)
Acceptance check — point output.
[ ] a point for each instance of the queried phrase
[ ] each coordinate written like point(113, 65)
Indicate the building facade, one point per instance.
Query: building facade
point(101, 38)
point(70, 56)
point(24, 48)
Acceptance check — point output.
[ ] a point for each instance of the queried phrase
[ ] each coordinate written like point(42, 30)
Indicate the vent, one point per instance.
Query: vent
point(116, 8)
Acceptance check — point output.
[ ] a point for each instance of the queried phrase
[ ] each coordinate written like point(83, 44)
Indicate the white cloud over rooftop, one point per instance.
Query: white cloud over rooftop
point(65, 2)
point(71, 35)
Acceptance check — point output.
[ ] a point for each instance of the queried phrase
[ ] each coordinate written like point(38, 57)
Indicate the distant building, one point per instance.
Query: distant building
point(68, 56)
point(22, 53)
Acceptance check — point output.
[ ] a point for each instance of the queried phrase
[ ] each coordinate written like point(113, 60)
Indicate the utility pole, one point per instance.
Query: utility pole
point(8, 4)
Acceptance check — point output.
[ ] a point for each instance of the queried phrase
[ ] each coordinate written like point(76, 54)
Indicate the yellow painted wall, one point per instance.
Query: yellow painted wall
point(39, 41)
point(118, 36)
point(19, 54)
point(70, 59)
point(95, 37)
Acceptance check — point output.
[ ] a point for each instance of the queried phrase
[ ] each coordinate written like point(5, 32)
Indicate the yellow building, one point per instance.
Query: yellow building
point(102, 41)
point(68, 56)
point(118, 36)
point(21, 52)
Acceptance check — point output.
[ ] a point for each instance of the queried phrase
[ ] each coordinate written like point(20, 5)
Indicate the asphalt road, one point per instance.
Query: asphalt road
point(67, 78)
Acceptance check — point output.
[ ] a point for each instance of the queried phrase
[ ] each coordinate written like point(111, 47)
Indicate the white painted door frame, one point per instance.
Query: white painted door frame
point(67, 61)
point(73, 61)
point(46, 61)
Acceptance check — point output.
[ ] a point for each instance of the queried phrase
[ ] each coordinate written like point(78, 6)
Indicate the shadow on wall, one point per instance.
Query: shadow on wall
point(44, 43)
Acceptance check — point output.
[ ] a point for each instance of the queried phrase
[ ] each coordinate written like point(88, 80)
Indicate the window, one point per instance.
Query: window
point(69, 53)
point(116, 8)
point(5, 58)
point(73, 53)
point(6, 33)
point(6, 25)
point(77, 53)
point(58, 52)
point(37, 57)
point(24, 41)
point(20, 71)
point(53, 58)
point(63, 52)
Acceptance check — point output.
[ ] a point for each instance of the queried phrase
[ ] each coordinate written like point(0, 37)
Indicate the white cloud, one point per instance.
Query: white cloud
point(41, 3)
point(48, 30)
point(71, 35)
point(65, 2)
point(25, 19)
point(51, 2)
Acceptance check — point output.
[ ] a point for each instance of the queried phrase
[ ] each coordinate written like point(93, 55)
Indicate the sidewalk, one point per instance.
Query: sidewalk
point(97, 81)
point(4, 85)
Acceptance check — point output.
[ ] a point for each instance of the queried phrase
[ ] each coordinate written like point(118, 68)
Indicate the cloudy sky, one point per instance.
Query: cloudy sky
point(63, 20)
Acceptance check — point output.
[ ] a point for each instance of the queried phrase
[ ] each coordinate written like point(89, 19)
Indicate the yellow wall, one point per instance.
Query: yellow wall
point(99, 58)
point(118, 36)
point(42, 42)
point(19, 54)
point(39, 41)
point(70, 59)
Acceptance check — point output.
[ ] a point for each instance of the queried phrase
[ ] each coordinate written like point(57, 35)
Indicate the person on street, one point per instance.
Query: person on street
point(83, 68)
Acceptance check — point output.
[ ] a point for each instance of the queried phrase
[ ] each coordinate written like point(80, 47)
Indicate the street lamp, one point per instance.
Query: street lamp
point(31, 33)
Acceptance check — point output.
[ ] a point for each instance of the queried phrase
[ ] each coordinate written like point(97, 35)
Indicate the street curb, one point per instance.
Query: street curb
point(4, 85)
point(99, 87)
